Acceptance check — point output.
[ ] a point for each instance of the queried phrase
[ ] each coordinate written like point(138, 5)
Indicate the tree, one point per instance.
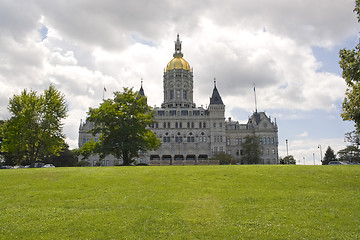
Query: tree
point(34, 131)
point(329, 156)
point(65, 158)
point(123, 124)
point(289, 159)
point(350, 63)
point(251, 150)
point(351, 153)
point(223, 158)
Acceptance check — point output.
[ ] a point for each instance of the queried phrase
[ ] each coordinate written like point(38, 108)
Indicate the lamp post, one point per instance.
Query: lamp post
point(314, 157)
point(320, 153)
point(287, 148)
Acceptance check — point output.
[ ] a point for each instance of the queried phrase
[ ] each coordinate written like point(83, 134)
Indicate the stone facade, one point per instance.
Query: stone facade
point(192, 135)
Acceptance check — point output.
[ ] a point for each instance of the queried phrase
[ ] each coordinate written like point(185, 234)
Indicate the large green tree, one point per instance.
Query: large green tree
point(123, 124)
point(350, 64)
point(34, 130)
point(329, 156)
point(251, 150)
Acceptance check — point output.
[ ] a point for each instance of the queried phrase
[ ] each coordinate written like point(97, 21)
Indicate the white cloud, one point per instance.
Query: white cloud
point(304, 134)
point(116, 43)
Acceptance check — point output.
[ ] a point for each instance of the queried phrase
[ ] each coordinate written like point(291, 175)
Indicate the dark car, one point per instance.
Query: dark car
point(336, 163)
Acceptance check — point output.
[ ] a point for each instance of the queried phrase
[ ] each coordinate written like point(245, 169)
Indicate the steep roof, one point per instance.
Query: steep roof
point(216, 98)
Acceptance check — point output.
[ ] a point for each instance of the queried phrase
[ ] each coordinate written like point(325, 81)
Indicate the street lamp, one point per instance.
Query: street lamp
point(320, 152)
point(287, 148)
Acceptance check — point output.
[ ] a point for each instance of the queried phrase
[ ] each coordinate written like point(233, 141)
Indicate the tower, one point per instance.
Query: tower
point(217, 122)
point(178, 81)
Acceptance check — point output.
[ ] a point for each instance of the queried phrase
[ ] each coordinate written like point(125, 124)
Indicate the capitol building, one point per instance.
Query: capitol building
point(193, 135)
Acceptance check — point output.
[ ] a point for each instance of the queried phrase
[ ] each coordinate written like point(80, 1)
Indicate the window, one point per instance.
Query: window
point(178, 139)
point(268, 140)
point(238, 141)
point(214, 125)
point(184, 112)
point(200, 124)
point(171, 94)
point(164, 125)
point(190, 138)
point(176, 125)
point(227, 141)
point(204, 125)
point(272, 140)
point(185, 94)
point(192, 125)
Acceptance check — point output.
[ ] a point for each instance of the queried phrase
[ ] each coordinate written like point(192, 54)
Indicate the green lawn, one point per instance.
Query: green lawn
point(181, 202)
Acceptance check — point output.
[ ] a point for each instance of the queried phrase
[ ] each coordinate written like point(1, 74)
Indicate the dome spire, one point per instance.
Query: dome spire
point(178, 52)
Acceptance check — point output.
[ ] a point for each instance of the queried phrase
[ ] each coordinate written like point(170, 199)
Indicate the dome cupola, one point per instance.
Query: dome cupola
point(178, 62)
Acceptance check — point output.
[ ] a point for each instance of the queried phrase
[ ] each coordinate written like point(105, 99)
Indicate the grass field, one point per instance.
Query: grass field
point(190, 202)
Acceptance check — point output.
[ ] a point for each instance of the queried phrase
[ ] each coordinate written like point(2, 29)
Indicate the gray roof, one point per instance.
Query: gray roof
point(216, 98)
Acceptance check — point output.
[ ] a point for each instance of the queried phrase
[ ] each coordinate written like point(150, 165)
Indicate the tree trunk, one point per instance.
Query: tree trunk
point(126, 158)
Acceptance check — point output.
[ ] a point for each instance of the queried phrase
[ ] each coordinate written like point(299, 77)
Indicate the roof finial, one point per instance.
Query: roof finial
point(178, 52)
point(214, 82)
point(141, 81)
point(255, 99)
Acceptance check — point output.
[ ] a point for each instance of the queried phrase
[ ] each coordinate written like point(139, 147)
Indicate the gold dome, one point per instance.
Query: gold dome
point(178, 63)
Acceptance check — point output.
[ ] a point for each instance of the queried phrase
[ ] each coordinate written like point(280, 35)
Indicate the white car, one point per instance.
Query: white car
point(48, 165)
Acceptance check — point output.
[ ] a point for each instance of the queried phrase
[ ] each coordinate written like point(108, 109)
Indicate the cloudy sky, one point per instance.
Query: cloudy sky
point(289, 49)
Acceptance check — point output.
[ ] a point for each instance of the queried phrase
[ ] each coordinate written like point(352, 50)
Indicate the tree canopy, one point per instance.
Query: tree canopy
point(123, 124)
point(351, 153)
point(34, 131)
point(289, 159)
point(251, 150)
point(350, 64)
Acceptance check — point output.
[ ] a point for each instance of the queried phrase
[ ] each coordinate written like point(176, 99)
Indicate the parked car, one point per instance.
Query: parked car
point(48, 165)
point(336, 163)
point(6, 167)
